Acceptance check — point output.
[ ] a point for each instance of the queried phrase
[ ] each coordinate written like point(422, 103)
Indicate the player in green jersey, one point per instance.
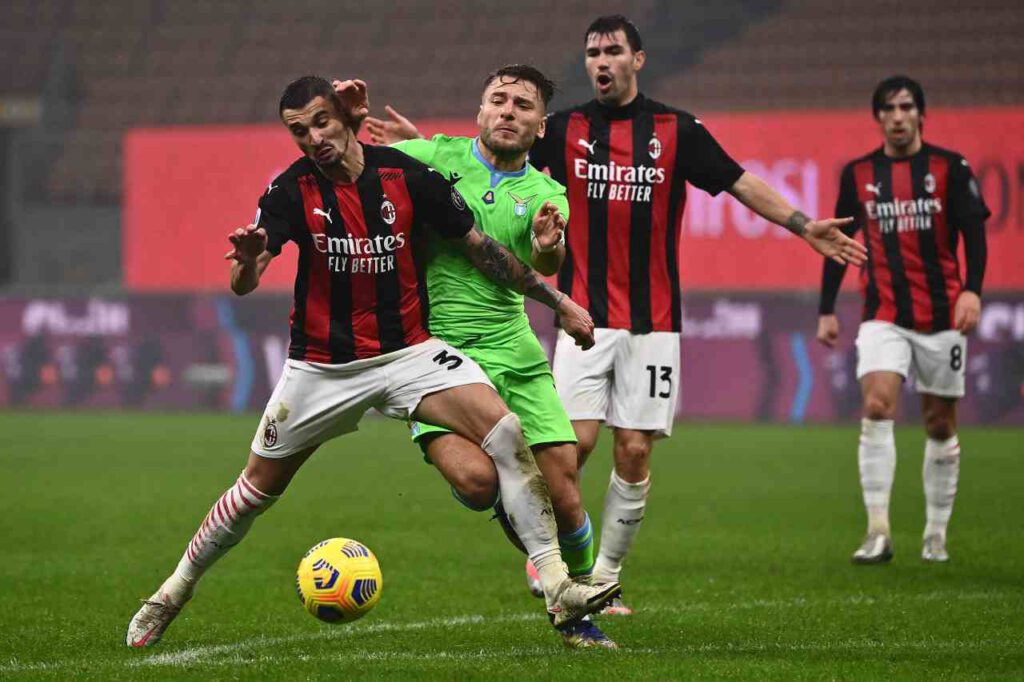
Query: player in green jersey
point(526, 211)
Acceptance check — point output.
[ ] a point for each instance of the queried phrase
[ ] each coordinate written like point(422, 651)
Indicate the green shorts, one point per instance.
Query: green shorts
point(518, 368)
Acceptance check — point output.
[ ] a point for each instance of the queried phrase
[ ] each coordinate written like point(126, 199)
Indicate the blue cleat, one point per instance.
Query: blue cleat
point(584, 634)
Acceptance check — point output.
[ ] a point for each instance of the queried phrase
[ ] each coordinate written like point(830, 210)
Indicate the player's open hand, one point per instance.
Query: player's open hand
point(827, 238)
point(247, 243)
point(548, 227)
point(828, 330)
point(576, 322)
point(354, 100)
point(967, 312)
point(395, 129)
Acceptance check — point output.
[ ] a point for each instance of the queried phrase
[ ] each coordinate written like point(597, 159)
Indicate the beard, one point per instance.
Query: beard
point(506, 149)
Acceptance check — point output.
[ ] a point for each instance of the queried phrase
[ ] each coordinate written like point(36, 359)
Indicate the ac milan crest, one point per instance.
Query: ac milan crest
point(387, 211)
point(929, 183)
point(654, 148)
point(270, 434)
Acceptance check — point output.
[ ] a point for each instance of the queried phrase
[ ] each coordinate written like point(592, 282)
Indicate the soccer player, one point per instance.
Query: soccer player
point(625, 160)
point(358, 215)
point(912, 201)
point(525, 210)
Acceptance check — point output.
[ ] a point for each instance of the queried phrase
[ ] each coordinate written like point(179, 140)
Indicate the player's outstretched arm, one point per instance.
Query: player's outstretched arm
point(824, 236)
point(250, 256)
point(501, 266)
point(548, 239)
point(395, 129)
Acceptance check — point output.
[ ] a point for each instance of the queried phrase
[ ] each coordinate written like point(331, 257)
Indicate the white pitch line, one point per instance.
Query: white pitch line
point(232, 651)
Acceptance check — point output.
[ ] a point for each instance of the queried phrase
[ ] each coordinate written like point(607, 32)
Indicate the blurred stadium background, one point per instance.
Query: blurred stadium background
point(135, 133)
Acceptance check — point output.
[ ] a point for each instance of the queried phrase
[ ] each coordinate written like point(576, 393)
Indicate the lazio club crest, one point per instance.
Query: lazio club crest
point(521, 204)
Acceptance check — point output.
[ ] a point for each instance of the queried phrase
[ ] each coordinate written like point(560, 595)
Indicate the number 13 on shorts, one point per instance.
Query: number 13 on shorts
point(627, 380)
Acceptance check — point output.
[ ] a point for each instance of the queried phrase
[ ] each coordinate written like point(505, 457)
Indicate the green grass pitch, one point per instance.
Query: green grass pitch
point(741, 569)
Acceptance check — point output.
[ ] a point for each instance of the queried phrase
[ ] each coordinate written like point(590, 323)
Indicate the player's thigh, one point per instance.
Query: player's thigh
point(583, 377)
point(442, 386)
point(646, 385)
point(533, 397)
point(939, 363)
point(882, 347)
point(312, 404)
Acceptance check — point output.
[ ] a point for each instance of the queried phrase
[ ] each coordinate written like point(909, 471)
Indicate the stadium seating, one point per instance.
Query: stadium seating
point(158, 62)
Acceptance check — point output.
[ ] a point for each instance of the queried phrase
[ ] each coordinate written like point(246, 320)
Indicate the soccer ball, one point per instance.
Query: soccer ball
point(339, 580)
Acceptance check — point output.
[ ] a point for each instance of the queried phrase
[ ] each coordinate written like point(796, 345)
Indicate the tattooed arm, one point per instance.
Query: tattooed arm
point(502, 267)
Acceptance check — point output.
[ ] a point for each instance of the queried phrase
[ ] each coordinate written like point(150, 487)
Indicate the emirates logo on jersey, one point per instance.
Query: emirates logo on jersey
point(387, 212)
point(654, 148)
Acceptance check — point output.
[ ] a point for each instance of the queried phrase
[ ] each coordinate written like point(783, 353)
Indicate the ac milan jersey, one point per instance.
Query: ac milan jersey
point(626, 170)
point(359, 288)
point(912, 211)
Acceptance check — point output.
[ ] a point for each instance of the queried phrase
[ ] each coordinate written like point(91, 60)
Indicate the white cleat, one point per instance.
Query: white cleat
point(149, 623)
point(934, 549)
point(876, 549)
point(533, 580)
point(574, 600)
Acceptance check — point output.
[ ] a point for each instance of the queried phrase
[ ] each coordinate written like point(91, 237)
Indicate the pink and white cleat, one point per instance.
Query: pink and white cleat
point(149, 623)
point(533, 580)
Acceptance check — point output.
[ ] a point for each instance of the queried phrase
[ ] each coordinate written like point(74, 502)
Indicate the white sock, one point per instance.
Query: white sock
point(526, 500)
point(624, 505)
point(877, 458)
point(941, 473)
point(224, 527)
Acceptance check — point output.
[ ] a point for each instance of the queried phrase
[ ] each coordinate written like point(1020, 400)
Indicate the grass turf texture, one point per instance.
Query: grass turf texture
point(741, 569)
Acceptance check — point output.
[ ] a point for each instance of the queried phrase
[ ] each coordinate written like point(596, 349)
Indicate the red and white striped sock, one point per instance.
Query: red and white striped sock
point(224, 527)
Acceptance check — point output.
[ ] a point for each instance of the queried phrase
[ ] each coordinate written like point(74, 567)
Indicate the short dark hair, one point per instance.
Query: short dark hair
point(893, 84)
point(607, 25)
point(302, 91)
point(524, 72)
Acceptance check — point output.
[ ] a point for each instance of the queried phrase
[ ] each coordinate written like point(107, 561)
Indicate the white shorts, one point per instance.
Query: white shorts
point(315, 402)
point(936, 361)
point(627, 380)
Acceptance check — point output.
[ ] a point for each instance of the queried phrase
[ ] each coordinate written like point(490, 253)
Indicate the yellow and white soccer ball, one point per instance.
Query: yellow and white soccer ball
point(339, 580)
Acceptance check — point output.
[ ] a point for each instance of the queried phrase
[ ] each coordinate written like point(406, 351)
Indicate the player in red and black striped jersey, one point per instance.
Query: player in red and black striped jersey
point(914, 202)
point(626, 160)
point(357, 214)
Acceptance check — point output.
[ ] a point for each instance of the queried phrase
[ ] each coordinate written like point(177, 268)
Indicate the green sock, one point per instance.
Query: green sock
point(578, 548)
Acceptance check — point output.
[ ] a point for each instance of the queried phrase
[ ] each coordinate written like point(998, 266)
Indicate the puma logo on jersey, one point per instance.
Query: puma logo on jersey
point(327, 215)
point(270, 188)
point(588, 145)
point(875, 189)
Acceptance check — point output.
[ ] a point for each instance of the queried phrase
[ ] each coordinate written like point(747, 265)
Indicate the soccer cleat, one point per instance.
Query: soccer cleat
point(876, 549)
point(149, 623)
point(574, 601)
point(616, 607)
point(934, 549)
point(584, 634)
point(533, 580)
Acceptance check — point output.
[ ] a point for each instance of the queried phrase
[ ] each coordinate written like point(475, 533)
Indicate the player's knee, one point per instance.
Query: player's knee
point(632, 459)
point(939, 426)
point(477, 489)
point(878, 407)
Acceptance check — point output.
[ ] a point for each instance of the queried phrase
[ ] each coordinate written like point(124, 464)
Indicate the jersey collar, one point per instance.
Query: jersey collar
point(496, 175)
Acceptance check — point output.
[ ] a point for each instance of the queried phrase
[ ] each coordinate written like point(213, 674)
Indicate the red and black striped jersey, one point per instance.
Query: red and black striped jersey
point(626, 170)
point(359, 289)
point(912, 211)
